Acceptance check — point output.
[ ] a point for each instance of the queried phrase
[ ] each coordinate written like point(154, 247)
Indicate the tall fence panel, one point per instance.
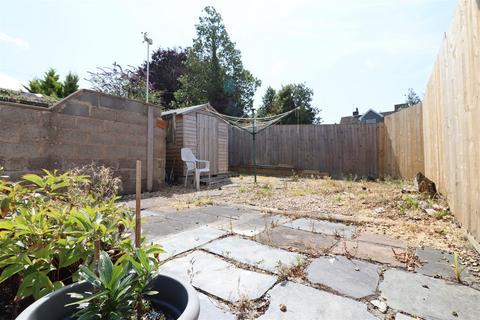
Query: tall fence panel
point(334, 149)
point(451, 116)
point(402, 149)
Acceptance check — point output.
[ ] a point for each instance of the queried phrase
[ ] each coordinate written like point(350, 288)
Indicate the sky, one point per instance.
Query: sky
point(353, 53)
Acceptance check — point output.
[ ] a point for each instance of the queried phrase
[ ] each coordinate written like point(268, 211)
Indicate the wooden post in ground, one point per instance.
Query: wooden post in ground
point(138, 192)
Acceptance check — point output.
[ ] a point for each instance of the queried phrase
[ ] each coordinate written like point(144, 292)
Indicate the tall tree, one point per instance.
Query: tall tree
point(70, 85)
point(412, 98)
point(289, 97)
point(166, 66)
point(215, 70)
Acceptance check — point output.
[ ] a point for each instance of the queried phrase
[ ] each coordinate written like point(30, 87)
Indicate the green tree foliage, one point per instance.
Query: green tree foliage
point(289, 97)
point(166, 66)
point(215, 72)
point(70, 85)
point(51, 85)
point(412, 98)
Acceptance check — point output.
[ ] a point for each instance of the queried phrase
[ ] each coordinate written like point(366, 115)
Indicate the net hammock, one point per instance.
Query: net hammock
point(253, 125)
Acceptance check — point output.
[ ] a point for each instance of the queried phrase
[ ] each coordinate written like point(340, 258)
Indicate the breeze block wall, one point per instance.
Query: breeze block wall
point(85, 127)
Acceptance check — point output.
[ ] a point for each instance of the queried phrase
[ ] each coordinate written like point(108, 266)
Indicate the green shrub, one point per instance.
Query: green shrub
point(47, 231)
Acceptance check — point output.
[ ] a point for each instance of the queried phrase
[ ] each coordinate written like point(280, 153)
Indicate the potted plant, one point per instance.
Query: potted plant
point(59, 229)
point(127, 289)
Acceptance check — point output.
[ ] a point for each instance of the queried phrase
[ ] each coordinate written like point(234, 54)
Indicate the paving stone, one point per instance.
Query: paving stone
point(218, 277)
point(428, 297)
point(401, 316)
point(437, 263)
point(251, 224)
point(186, 240)
point(211, 309)
point(297, 240)
point(253, 253)
point(353, 278)
point(321, 226)
point(306, 303)
point(380, 305)
point(381, 239)
point(368, 251)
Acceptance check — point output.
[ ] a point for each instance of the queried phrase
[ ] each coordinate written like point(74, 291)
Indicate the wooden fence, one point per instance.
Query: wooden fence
point(338, 150)
point(451, 117)
point(401, 146)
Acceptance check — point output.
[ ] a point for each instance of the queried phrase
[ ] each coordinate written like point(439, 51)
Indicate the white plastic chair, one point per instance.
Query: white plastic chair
point(192, 166)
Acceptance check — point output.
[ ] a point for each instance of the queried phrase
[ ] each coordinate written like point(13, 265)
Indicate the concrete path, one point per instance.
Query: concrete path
point(334, 272)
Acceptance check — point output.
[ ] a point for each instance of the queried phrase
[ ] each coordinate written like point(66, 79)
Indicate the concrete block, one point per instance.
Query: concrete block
point(136, 107)
point(112, 102)
point(75, 109)
point(131, 117)
point(90, 125)
point(103, 113)
point(40, 163)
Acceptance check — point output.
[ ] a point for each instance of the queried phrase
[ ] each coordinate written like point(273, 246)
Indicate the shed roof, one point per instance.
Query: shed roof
point(370, 111)
point(185, 110)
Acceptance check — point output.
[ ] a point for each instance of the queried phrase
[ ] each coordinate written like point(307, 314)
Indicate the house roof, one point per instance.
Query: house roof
point(185, 110)
point(370, 110)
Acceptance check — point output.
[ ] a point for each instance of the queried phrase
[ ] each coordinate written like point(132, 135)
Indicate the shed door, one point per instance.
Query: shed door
point(207, 132)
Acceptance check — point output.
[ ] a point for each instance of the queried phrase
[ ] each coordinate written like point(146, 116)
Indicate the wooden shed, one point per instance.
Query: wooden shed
point(201, 131)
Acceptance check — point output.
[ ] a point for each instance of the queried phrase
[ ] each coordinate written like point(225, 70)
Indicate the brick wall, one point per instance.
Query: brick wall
point(86, 127)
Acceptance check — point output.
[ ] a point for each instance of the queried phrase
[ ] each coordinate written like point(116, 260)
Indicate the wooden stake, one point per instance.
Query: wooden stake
point(138, 192)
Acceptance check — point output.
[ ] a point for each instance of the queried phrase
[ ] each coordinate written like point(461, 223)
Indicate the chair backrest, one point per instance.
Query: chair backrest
point(189, 158)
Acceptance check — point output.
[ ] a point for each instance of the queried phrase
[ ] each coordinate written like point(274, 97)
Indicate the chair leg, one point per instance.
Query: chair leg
point(197, 180)
point(186, 178)
point(209, 180)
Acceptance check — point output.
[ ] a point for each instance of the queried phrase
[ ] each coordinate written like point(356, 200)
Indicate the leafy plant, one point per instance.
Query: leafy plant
point(47, 232)
point(119, 289)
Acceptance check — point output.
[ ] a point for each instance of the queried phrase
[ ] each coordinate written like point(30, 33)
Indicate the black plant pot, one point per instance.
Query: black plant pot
point(174, 297)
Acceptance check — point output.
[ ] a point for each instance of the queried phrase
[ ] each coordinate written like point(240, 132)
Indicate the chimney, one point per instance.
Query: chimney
point(355, 113)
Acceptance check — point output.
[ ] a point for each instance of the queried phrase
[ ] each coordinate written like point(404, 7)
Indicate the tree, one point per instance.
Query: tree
point(122, 82)
point(269, 104)
point(412, 98)
point(289, 97)
point(166, 66)
point(215, 71)
point(51, 86)
point(70, 85)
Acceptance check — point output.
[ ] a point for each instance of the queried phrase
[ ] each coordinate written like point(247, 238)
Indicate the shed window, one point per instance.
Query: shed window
point(369, 121)
point(171, 130)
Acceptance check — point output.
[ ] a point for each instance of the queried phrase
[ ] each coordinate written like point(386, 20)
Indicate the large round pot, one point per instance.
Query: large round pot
point(174, 297)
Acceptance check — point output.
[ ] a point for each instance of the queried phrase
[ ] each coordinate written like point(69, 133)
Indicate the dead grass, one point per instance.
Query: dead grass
point(295, 271)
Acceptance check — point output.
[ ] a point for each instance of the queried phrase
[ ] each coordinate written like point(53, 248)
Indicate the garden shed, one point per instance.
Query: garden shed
point(200, 130)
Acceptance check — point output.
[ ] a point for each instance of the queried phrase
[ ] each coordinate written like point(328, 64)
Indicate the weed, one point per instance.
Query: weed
point(441, 214)
point(457, 268)
point(293, 271)
point(243, 189)
point(202, 201)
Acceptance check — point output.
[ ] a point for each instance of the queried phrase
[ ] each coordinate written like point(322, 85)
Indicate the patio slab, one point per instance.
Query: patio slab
point(253, 253)
point(211, 309)
point(186, 240)
point(324, 227)
point(251, 224)
point(381, 240)
point(218, 277)
point(306, 303)
point(297, 240)
point(429, 298)
point(353, 278)
point(438, 264)
point(368, 251)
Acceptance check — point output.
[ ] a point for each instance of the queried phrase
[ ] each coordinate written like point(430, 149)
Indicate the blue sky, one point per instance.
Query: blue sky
point(352, 53)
